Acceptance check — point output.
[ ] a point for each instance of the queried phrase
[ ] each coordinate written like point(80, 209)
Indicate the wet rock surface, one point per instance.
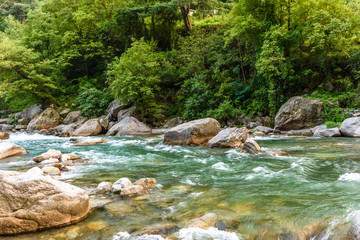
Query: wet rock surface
point(33, 202)
point(197, 132)
point(298, 113)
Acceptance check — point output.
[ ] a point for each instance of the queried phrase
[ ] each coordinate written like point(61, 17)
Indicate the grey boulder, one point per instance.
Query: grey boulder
point(298, 113)
point(197, 132)
point(229, 138)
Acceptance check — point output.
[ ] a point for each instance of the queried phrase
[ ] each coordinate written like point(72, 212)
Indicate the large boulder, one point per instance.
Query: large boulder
point(30, 112)
point(46, 120)
point(129, 126)
point(329, 132)
point(66, 130)
point(33, 202)
point(74, 117)
point(91, 127)
point(192, 133)
point(10, 150)
point(125, 113)
point(229, 138)
point(114, 108)
point(298, 113)
point(105, 120)
point(350, 127)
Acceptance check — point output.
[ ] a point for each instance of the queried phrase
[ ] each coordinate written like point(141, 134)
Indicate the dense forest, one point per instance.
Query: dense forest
point(189, 58)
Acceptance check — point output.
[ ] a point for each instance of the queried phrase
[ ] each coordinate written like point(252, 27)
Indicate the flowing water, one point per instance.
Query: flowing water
point(256, 196)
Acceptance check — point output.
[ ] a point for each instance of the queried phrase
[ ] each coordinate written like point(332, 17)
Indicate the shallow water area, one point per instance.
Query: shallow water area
point(318, 182)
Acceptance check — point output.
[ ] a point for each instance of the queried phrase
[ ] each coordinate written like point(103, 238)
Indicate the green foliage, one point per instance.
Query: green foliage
point(249, 56)
point(22, 73)
point(93, 102)
point(225, 111)
point(135, 76)
point(331, 124)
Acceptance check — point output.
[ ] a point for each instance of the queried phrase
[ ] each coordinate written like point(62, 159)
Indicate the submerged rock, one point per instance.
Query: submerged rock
point(195, 132)
point(133, 191)
point(298, 113)
point(129, 126)
point(157, 229)
point(45, 120)
point(91, 127)
point(119, 209)
point(33, 202)
point(202, 234)
point(229, 138)
point(250, 146)
point(350, 127)
point(91, 141)
point(10, 150)
point(207, 221)
point(126, 236)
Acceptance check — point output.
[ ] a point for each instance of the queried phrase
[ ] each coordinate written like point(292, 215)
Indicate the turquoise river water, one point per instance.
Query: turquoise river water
point(255, 196)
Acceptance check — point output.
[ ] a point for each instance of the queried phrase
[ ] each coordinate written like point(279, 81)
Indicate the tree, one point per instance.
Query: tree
point(134, 77)
point(23, 73)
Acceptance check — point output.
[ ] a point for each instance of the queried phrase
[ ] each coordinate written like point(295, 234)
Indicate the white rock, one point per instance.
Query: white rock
point(35, 171)
point(120, 185)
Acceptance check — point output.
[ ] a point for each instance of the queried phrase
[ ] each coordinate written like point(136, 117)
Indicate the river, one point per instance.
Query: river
point(253, 195)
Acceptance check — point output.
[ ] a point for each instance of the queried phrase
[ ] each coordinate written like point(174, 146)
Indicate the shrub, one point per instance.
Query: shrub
point(93, 102)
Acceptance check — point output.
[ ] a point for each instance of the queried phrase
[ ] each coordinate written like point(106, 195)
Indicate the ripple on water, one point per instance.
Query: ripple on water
point(221, 166)
point(349, 177)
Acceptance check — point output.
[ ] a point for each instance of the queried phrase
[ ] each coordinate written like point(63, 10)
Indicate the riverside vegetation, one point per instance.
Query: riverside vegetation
point(186, 58)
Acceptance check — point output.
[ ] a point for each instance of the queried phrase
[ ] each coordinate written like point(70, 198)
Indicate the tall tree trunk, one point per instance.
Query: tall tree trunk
point(23, 14)
point(289, 14)
point(185, 13)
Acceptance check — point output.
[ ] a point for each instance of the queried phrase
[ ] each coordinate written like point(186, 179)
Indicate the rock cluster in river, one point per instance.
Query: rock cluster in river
point(53, 161)
point(126, 188)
